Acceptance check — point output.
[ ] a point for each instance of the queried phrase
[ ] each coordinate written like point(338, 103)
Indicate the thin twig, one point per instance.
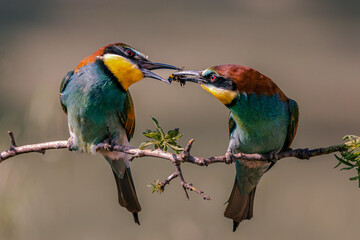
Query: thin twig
point(12, 139)
point(190, 187)
point(39, 148)
point(182, 180)
point(168, 180)
point(297, 153)
point(176, 159)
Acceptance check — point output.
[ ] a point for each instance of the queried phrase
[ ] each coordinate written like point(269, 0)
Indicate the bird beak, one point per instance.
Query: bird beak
point(187, 76)
point(146, 66)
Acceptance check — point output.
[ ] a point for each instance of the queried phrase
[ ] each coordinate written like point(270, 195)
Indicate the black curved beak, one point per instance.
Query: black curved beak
point(187, 76)
point(146, 66)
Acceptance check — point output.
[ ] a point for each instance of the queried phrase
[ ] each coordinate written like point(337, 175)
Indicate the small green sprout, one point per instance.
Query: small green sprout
point(351, 156)
point(162, 141)
point(156, 186)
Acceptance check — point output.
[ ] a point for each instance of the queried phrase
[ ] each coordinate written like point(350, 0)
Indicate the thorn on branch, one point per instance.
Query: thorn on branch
point(186, 152)
point(12, 139)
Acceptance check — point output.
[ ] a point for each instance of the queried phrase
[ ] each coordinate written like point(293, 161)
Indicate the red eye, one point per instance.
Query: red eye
point(130, 53)
point(212, 78)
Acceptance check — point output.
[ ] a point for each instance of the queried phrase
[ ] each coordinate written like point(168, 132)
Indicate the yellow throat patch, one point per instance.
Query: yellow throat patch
point(224, 96)
point(126, 72)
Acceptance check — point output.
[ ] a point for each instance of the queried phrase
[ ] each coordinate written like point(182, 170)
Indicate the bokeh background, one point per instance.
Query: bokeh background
point(309, 48)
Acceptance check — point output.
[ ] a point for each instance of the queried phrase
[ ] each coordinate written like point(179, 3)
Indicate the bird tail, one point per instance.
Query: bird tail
point(240, 206)
point(127, 194)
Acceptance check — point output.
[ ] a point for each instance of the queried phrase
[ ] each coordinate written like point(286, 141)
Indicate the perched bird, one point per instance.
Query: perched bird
point(262, 120)
point(100, 109)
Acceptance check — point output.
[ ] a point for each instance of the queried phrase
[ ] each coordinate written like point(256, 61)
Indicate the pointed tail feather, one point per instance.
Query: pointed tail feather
point(240, 206)
point(127, 194)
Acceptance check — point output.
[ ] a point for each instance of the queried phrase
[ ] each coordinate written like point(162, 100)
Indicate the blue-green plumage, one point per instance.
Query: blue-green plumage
point(261, 123)
point(94, 101)
point(262, 120)
point(261, 126)
point(99, 107)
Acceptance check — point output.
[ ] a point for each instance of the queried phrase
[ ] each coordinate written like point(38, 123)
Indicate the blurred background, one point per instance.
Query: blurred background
point(309, 48)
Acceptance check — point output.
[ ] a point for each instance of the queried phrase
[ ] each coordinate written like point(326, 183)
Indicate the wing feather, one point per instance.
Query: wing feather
point(232, 125)
point(294, 120)
point(64, 83)
point(127, 116)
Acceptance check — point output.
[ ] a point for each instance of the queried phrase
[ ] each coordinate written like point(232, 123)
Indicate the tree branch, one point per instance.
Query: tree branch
point(168, 180)
point(176, 159)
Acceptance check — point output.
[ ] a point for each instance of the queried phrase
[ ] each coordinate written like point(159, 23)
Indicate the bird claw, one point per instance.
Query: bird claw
point(109, 144)
point(229, 157)
point(71, 144)
point(273, 157)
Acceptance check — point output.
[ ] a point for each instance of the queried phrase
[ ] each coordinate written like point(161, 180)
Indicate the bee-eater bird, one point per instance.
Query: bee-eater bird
point(262, 120)
point(100, 109)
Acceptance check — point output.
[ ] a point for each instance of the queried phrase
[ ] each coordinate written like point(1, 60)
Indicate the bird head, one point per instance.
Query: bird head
point(212, 79)
point(226, 81)
point(126, 63)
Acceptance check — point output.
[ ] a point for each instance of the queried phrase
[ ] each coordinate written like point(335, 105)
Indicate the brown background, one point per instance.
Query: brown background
point(311, 50)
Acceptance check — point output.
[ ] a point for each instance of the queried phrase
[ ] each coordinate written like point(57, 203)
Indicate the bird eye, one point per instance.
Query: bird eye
point(212, 78)
point(130, 53)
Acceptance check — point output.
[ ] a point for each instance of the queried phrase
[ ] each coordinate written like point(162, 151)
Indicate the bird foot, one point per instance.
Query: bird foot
point(273, 157)
point(229, 157)
point(109, 144)
point(71, 144)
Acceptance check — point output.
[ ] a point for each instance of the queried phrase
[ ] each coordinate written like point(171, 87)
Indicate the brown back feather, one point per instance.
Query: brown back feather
point(249, 80)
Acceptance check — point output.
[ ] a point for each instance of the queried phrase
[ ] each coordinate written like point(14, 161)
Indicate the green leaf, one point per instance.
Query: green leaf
point(162, 141)
point(153, 135)
point(156, 186)
point(337, 164)
point(176, 147)
point(172, 133)
point(351, 156)
point(158, 127)
point(354, 178)
point(347, 168)
point(343, 162)
point(177, 137)
point(155, 121)
point(145, 144)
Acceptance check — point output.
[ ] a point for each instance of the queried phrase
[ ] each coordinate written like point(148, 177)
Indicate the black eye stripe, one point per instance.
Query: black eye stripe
point(113, 50)
point(126, 52)
point(220, 82)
